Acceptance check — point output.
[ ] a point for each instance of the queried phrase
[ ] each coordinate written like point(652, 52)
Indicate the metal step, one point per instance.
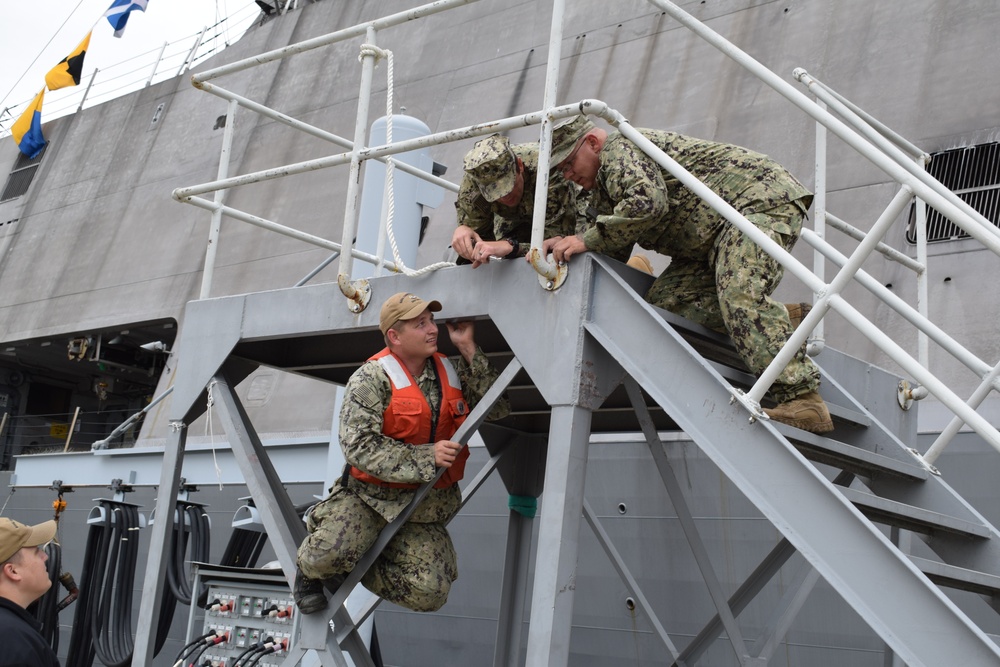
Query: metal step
point(848, 457)
point(842, 545)
point(958, 578)
point(912, 518)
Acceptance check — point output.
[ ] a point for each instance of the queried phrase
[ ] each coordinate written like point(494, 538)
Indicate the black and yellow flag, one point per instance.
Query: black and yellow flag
point(68, 71)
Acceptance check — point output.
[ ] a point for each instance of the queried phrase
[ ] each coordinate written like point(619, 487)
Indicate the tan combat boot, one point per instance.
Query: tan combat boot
point(807, 412)
point(797, 312)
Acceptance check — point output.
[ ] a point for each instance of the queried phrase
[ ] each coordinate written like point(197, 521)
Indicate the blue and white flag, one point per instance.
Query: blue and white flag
point(119, 10)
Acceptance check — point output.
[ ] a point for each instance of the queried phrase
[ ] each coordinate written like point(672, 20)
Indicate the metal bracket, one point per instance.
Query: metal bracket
point(752, 406)
point(358, 293)
point(907, 393)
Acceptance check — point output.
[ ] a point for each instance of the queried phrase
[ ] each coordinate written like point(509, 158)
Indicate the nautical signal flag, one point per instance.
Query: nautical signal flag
point(27, 130)
point(69, 69)
point(120, 9)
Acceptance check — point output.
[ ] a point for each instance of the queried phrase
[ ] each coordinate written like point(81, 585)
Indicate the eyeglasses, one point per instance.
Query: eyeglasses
point(568, 162)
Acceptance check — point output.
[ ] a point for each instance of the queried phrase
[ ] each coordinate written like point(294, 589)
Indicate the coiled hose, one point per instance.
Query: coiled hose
point(102, 624)
point(46, 608)
point(191, 529)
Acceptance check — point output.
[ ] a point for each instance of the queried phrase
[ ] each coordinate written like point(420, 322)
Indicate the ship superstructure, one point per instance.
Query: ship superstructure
point(603, 385)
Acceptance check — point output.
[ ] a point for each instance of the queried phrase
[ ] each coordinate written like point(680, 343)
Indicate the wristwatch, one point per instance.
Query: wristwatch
point(515, 247)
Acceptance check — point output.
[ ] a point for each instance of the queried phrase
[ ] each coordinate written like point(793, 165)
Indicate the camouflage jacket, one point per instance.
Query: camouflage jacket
point(637, 201)
point(366, 398)
point(494, 221)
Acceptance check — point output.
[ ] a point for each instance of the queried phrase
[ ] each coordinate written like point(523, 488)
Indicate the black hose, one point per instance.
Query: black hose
point(251, 649)
point(81, 646)
point(46, 608)
point(111, 608)
point(191, 529)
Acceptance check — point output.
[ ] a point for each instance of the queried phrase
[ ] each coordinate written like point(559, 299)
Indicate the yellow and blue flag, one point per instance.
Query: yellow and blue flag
point(27, 130)
point(119, 10)
point(69, 69)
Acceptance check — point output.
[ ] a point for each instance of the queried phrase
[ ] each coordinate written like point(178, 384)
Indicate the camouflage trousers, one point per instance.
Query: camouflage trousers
point(731, 293)
point(415, 570)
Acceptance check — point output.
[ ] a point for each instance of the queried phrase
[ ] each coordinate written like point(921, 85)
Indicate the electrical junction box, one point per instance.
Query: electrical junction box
point(247, 606)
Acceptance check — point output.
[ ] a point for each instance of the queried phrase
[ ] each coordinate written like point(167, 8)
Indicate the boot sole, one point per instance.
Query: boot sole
point(310, 604)
point(808, 424)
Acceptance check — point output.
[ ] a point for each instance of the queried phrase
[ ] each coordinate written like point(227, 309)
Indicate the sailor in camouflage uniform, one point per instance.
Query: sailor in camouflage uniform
point(496, 201)
point(414, 392)
point(717, 276)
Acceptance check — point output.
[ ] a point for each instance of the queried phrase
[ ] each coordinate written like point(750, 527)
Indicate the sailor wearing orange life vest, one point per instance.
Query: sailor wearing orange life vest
point(400, 409)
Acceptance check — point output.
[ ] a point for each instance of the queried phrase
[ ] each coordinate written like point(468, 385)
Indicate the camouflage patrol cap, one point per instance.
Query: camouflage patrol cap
point(565, 134)
point(492, 166)
point(403, 306)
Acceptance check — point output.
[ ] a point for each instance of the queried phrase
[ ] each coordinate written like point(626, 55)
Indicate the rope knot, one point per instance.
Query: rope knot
point(372, 50)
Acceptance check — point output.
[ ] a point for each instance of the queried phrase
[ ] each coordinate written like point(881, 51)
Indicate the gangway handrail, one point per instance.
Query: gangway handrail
point(343, 34)
point(902, 171)
point(871, 143)
point(887, 251)
point(901, 142)
point(829, 293)
point(885, 155)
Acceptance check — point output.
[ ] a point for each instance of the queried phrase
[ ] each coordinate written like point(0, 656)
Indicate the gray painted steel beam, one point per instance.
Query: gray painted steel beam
point(277, 512)
point(738, 601)
point(686, 520)
point(784, 614)
point(917, 621)
point(558, 538)
point(513, 591)
point(153, 580)
point(284, 528)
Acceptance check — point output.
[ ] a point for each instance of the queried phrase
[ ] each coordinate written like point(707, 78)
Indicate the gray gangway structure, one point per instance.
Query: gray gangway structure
point(594, 357)
point(588, 357)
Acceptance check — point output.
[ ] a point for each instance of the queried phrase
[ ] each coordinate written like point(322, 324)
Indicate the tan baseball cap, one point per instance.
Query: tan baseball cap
point(403, 306)
point(15, 536)
point(492, 166)
point(565, 134)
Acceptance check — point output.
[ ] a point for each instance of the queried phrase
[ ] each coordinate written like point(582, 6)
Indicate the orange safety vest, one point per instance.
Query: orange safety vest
point(408, 416)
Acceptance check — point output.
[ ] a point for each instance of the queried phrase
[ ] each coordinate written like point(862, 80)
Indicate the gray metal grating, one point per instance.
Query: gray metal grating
point(20, 176)
point(973, 173)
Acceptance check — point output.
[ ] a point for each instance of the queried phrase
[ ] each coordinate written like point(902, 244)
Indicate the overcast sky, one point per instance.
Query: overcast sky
point(44, 32)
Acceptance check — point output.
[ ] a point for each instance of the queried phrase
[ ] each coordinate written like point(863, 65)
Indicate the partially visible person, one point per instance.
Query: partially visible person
point(400, 411)
point(496, 202)
point(717, 276)
point(23, 579)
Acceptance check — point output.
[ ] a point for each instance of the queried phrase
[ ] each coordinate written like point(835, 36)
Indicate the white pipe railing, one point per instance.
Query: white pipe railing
point(901, 307)
point(888, 252)
point(541, 265)
point(215, 229)
point(866, 137)
point(314, 131)
point(821, 216)
point(357, 292)
point(358, 30)
point(888, 157)
point(904, 172)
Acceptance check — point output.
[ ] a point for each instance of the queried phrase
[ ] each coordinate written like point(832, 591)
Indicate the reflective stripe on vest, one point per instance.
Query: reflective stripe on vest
point(408, 416)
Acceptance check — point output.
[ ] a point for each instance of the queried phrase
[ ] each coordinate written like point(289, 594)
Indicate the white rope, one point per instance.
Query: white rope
point(210, 432)
point(390, 167)
point(4, 508)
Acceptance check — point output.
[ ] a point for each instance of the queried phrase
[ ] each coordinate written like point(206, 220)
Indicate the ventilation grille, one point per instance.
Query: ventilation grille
point(21, 175)
point(973, 174)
